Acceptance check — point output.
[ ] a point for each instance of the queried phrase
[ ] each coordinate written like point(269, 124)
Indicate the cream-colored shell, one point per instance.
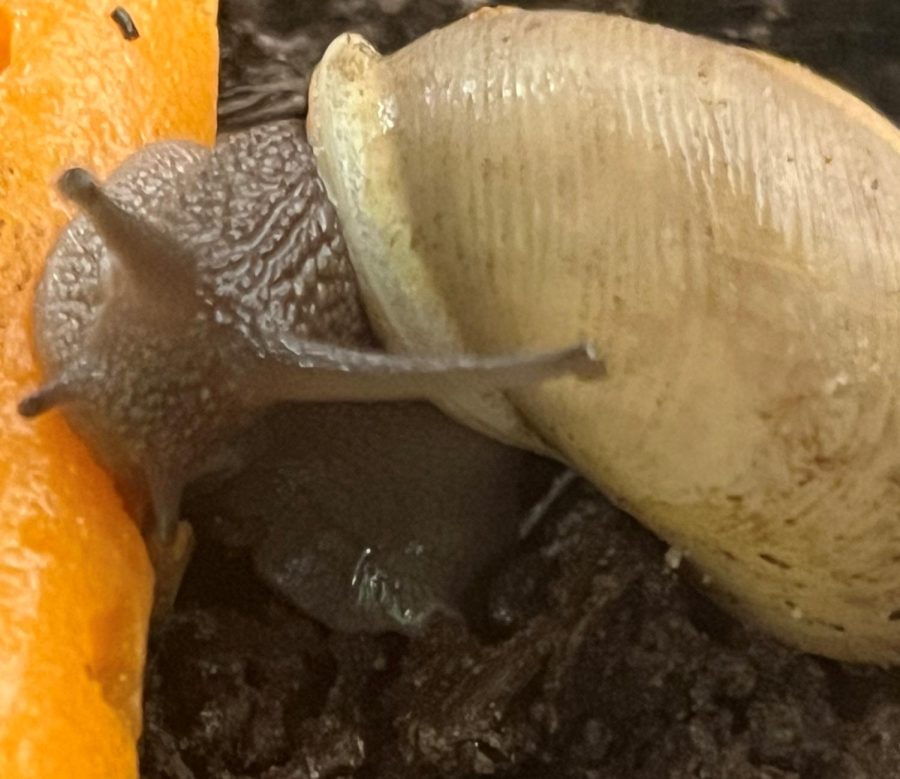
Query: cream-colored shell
point(722, 225)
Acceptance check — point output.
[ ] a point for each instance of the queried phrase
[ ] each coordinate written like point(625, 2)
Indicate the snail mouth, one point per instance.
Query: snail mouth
point(5, 39)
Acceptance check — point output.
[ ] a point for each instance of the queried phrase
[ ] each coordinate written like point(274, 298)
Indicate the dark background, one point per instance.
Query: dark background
point(595, 659)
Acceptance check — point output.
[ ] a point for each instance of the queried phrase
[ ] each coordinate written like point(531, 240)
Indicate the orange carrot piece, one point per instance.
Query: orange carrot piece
point(75, 583)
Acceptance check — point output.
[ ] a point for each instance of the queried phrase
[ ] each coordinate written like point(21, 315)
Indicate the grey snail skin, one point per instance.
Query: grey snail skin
point(373, 516)
point(720, 224)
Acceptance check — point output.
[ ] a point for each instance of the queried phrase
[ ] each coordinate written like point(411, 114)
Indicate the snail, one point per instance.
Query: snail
point(173, 316)
point(720, 224)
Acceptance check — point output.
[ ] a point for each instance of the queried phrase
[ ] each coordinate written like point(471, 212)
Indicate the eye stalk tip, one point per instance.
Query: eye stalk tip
point(78, 185)
point(588, 362)
point(46, 397)
point(31, 405)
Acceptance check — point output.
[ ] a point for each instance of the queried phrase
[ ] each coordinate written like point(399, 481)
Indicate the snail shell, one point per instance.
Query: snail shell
point(723, 225)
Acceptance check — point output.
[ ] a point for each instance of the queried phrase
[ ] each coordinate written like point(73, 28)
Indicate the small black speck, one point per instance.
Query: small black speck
point(894, 615)
point(126, 24)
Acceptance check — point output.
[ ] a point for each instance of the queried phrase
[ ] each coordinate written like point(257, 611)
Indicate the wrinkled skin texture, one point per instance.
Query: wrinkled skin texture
point(118, 335)
point(677, 689)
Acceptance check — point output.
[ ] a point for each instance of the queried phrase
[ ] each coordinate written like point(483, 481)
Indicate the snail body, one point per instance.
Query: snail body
point(720, 224)
point(204, 289)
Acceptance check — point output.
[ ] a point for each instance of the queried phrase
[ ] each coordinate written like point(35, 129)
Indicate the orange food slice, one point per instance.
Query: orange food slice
point(75, 583)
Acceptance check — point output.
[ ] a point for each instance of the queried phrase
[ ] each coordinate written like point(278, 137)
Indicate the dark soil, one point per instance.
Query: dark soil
point(592, 657)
